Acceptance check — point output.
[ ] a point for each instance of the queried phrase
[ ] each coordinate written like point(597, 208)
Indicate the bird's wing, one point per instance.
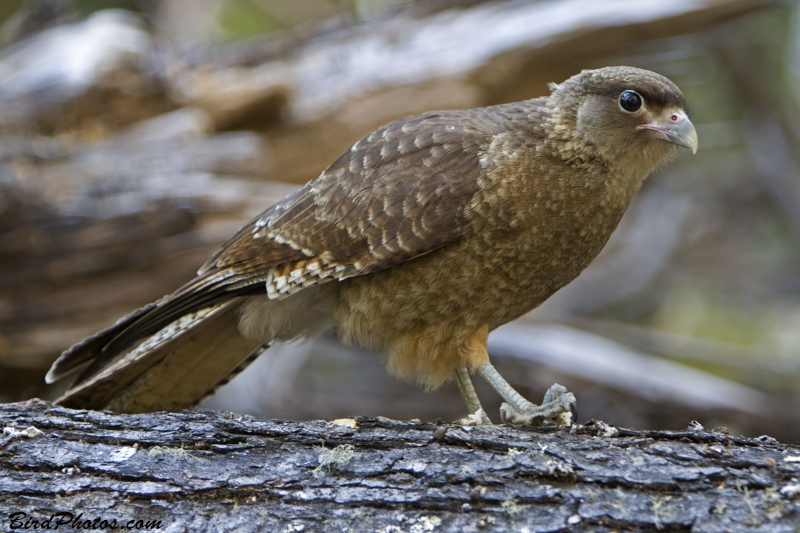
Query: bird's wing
point(399, 193)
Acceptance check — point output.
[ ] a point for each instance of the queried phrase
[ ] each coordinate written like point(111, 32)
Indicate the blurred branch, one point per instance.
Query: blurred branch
point(751, 365)
point(342, 87)
point(605, 362)
point(105, 227)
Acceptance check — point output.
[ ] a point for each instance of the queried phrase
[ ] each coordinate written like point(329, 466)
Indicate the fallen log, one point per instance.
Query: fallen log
point(216, 471)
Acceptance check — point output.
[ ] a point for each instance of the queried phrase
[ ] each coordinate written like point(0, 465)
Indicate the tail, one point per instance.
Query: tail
point(192, 346)
point(172, 370)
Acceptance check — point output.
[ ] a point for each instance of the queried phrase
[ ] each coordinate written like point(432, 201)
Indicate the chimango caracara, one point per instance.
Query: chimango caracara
point(418, 241)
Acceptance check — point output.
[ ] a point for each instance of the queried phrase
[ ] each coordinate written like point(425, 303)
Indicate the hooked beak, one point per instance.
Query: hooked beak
point(676, 128)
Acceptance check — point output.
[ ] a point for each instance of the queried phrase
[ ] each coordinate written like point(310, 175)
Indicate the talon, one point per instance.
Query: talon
point(509, 415)
point(559, 408)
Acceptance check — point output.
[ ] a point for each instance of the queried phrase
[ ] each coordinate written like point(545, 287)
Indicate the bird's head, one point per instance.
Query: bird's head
point(629, 116)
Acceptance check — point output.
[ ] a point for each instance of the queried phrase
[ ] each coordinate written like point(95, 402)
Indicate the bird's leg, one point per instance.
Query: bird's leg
point(467, 390)
point(557, 408)
point(477, 414)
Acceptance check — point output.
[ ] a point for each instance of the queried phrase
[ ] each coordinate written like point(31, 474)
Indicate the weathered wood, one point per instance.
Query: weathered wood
point(213, 471)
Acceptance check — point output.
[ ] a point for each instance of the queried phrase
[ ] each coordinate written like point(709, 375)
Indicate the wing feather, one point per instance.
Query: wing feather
point(400, 192)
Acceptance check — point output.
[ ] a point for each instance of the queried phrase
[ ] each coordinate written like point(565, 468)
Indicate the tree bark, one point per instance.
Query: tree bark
point(214, 471)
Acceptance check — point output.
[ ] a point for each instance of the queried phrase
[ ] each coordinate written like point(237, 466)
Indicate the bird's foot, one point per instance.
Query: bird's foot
point(558, 408)
point(478, 418)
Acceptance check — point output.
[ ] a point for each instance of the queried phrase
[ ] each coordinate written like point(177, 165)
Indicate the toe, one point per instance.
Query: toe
point(559, 408)
point(555, 391)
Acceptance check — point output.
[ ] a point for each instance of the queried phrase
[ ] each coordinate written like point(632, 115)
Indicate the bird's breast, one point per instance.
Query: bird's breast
point(536, 227)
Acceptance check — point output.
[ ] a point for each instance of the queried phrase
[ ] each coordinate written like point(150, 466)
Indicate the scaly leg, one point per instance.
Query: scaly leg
point(477, 414)
point(558, 406)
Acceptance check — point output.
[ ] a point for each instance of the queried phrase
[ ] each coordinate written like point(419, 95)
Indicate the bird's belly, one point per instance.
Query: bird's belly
point(436, 303)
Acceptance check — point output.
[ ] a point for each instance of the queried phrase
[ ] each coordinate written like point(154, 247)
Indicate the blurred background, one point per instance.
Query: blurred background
point(135, 140)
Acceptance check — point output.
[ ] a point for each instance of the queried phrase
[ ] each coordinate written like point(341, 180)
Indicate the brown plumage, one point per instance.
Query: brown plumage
point(418, 241)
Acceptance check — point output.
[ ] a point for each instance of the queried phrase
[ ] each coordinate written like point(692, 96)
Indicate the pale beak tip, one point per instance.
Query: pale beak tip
point(693, 143)
point(683, 133)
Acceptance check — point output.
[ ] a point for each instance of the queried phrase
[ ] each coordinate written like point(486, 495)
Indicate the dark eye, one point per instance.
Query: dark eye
point(630, 101)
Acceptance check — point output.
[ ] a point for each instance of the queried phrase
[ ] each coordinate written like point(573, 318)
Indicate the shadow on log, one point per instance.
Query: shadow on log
point(214, 471)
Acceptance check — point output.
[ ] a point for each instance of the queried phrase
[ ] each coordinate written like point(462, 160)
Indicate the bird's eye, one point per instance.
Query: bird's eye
point(630, 101)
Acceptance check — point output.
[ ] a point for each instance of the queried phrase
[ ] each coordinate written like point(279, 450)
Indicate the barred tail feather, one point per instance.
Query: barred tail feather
point(175, 368)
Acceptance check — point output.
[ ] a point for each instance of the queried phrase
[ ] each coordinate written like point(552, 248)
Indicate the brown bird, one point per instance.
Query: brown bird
point(418, 241)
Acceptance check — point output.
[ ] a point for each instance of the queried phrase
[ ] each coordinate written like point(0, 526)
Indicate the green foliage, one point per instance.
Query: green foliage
point(7, 8)
point(245, 18)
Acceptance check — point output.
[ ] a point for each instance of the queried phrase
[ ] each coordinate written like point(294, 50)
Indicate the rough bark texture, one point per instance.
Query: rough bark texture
point(210, 471)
